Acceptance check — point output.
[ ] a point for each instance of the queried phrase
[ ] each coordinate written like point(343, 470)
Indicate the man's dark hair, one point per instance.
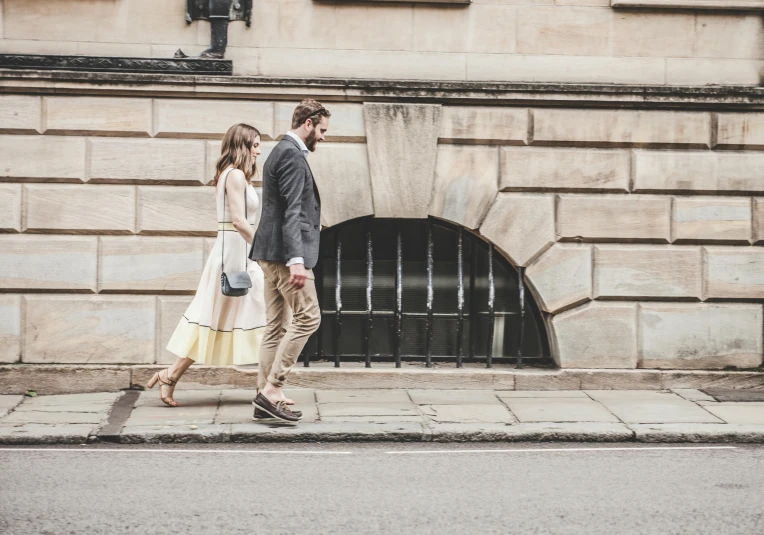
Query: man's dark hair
point(308, 109)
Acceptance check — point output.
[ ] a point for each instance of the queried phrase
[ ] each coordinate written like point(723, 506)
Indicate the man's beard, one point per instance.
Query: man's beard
point(312, 140)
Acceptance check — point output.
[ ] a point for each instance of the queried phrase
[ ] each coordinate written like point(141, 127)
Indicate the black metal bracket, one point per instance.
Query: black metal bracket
point(219, 13)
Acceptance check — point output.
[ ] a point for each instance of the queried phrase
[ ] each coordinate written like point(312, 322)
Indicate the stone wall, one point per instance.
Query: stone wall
point(577, 41)
point(641, 230)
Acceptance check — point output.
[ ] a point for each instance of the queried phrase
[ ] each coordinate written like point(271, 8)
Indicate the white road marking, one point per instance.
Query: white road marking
point(544, 450)
point(126, 450)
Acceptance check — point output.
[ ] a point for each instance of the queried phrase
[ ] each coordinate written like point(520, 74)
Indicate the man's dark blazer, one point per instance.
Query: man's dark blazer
point(290, 224)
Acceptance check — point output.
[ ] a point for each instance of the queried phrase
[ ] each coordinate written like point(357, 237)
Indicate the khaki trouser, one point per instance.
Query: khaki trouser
point(281, 347)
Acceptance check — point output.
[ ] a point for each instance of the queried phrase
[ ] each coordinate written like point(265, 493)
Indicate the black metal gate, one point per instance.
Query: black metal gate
point(421, 290)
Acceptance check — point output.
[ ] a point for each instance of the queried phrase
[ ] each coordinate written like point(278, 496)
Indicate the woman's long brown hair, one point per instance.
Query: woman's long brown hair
point(237, 151)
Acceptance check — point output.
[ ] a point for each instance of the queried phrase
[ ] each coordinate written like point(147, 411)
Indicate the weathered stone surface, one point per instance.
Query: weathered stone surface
point(377, 395)
point(176, 210)
point(711, 219)
point(52, 418)
point(715, 433)
point(522, 225)
point(21, 157)
point(175, 434)
point(734, 272)
point(341, 171)
point(608, 217)
point(621, 128)
point(453, 397)
point(484, 125)
point(563, 30)
point(700, 335)
point(711, 379)
point(612, 325)
point(346, 123)
point(367, 409)
point(51, 379)
point(150, 264)
point(97, 329)
point(562, 276)
point(704, 71)
point(467, 413)
point(10, 207)
point(559, 410)
point(58, 208)
point(202, 118)
point(546, 380)
point(150, 160)
point(653, 34)
point(20, 114)
point(10, 329)
point(730, 36)
point(709, 172)
point(98, 116)
point(171, 309)
point(466, 183)
point(38, 434)
point(652, 407)
point(8, 403)
point(329, 432)
point(402, 147)
point(624, 271)
point(740, 131)
point(536, 169)
point(751, 413)
point(621, 380)
point(48, 262)
point(758, 220)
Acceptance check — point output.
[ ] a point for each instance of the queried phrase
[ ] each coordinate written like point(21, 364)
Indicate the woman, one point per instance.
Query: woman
point(219, 330)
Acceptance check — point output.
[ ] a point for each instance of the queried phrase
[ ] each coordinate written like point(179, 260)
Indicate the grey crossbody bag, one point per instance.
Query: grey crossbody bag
point(234, 283)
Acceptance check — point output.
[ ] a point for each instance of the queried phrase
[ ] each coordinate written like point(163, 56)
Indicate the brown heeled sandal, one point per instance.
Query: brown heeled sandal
point(169, 383)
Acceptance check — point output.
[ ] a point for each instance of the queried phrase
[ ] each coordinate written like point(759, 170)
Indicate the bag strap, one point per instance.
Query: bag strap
point(246, 217)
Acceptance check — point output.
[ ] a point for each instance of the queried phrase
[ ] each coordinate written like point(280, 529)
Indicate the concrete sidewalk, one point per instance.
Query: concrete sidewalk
point(384, 415)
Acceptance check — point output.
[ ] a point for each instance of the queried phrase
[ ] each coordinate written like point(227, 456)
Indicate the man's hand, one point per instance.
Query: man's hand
point(297, 276)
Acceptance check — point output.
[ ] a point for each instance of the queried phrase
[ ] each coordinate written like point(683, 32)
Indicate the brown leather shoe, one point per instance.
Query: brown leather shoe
point(277, 410)
point(262, 415)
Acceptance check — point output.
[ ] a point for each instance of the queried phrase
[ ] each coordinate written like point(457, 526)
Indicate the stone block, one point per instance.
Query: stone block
point(90, 208)
point(26, 46)
point(751, 413)
point(10, 328)
point(97, 116)
point(700, 336)
point(758, 220)
point(701, 172)
point(492, 28)
point(52, 379)
point(620, 380)
point(143, 264)
point(559, 410)
point(207, 119)
point(89, 329)
point(645, 271)
point(361, 22)
point(430, 19)
point(711, 219)
point(703, 71)
point(734, 272)
point(176, 210)
point(613, 325)
point(564, 69)
point(711, 379)
point(171, 309)
point(537, 169)
point(20, 114)
point(160, 161)
point(563, 30)
point(10, 207)
point(611, 217)
point(653, 34)
point(346, 123)
point(730, 36)
point(64, 158)
point(621, 128)
point(402, 147)
point(521, 225)
point(562, 276)
point(341, 171)
point(484, 125)
point(48, 262)
point(653, 407)
point(466, 183)
point(546, 381)
point(740, 131)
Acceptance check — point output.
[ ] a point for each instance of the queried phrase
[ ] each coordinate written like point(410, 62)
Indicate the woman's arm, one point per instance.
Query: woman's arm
point(235, 186)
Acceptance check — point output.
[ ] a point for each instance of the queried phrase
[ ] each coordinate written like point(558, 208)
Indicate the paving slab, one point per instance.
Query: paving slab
point(714, 433)
point(654, 407)
point(44, 403)
point(453, 397)
point(329, 432)
point(468, 413)
point(8, 403)
point(505, 394)
point(195, 414)
point(31, 434)
point(692, 394)
point(157, 434)
point(601, 395)
point(362, 396)
point(185, 398)
point(367, 409)
point(738, 413)
point(76, 399)
point(559, 410)
point(371, 419)
point(54, 418)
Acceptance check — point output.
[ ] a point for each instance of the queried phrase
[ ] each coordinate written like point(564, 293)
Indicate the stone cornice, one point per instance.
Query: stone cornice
point(258, 88)
point(736, 5)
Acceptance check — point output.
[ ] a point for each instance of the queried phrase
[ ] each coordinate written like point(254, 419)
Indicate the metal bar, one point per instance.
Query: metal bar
point(430, 295)
point(369, 287)
point(459, 295)
point(473, 299)
point(338, 301)
point(491, 311)
point(521, 288)
point(398, 296)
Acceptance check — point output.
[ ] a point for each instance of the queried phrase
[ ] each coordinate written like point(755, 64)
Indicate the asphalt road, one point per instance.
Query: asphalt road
point(357, 488)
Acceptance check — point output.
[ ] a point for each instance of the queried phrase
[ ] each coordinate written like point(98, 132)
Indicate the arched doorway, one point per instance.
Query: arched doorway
point(421, 290)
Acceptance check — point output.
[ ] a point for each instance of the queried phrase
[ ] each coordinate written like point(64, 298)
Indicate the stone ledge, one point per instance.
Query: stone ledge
point(737, 5)
point(63, 379)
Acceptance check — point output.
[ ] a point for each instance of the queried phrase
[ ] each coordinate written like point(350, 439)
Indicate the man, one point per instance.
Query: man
point(286, 248)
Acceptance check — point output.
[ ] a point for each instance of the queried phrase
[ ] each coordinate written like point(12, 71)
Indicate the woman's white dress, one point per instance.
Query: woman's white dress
point(219, 330)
